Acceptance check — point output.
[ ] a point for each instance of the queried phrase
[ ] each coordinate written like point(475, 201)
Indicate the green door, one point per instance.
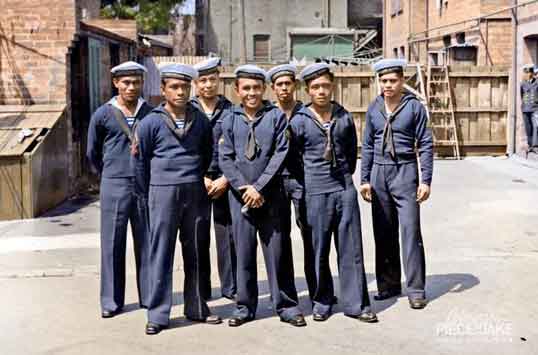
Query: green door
point(94, 66)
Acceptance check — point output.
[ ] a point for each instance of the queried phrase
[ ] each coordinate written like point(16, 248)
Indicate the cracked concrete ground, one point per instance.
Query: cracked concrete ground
point(481, 237)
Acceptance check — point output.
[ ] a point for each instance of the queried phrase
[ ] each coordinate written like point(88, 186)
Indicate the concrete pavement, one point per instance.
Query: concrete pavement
point(481, 238)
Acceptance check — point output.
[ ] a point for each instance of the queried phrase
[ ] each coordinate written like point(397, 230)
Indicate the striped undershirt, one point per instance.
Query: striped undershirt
point(130, 120)
point(326, 125)
point(180, 123)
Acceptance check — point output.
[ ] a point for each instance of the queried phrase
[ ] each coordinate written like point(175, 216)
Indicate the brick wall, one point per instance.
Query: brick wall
point(34, 40)
point(492, 37)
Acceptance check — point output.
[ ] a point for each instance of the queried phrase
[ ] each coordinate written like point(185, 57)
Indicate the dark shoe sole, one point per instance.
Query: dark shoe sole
point(108, 314)
point(208, 320)
point(320, 317)
point(368, 320)
point(295, 322)
point(234, 322)
point(155, 329)
point(420, 305)
point(359, 317)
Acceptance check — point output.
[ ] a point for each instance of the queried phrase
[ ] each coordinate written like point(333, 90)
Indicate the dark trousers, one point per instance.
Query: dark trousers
point(295, 196)
point(119, 205)
point(226, 259)
point(529, 127)
point(337, 213)
point(394, 206)
point(184, 207)
point(276, 247)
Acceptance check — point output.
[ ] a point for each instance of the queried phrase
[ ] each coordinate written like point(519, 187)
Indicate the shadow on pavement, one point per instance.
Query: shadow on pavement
point(71, 205)
point(436, 286)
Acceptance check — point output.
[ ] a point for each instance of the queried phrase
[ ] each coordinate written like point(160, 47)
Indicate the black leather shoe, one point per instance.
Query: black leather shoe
point(418, 303)
point(211, 319)
point(321, 317)
point(108, 314)
point(368, 317)
point(297, 321)
point(384, 295)
point(154, 328)
point(238, 321)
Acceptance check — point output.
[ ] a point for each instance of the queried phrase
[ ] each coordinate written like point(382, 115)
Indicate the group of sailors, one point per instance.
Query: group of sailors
point(166, 169)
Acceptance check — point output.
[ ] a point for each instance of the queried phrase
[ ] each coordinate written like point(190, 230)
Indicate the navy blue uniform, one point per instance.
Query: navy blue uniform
point(263, 172)
point(170, 172)
point(222, 219)
point(529, 105)
point(109, 153)
point(392, 171)
point(332, 206)
point(293, 180)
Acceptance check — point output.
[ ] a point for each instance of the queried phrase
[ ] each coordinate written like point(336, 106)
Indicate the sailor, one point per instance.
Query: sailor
point(529, 101)
point(175, 151)
point(323, 134)
point(216, 107)
point(396, 123)
point(110, 141)
point(251, 157)
point(283, 82)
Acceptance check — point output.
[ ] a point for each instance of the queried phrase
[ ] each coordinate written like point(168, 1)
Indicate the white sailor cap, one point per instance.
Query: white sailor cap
point(208, 66)
point(281, 70)
point(385, 66)
point(127, 69)
point(250, 71)
point(314, 70)
point(528, 68)
point(178, 71)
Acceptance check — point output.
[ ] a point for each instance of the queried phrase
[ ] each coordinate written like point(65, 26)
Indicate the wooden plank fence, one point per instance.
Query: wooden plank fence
point(480, 97)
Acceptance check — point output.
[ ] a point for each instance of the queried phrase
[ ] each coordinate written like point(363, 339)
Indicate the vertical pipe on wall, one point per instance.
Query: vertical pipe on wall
point(513, 79)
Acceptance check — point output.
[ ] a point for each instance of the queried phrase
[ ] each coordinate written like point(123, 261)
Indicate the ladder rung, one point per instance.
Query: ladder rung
point(438, 82)
point(442, 126)
point(441, 111)
point(445, 142)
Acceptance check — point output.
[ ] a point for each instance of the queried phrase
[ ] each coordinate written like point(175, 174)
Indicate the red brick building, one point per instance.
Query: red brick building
point(473, 32)
point(58, 53)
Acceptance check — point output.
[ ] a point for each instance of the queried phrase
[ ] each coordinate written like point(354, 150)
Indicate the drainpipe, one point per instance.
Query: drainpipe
point(513, 108)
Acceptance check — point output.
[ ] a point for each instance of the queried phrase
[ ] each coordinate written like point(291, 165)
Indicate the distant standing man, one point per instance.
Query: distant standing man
point(396, 123)
point(110, 142)
point(216, 107)
point(176, 145)
point(283, 82)
point(251, 157)
point(324, 137)
point(529, 101)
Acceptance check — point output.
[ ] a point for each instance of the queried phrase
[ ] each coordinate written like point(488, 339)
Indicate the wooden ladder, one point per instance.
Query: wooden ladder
point(441, 108)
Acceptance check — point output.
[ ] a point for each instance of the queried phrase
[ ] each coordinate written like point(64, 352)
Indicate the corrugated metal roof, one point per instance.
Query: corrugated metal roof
point(11, 145)
point(35, 116)
point(14, 119)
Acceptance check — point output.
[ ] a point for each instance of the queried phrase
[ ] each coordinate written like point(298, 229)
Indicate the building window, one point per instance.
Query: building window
point(200, 45)
point(447, 41)
point(402, 52)
point(464, 55)
point(460, 38)
point(395, 52)
point(262, 48)
point(395, 7)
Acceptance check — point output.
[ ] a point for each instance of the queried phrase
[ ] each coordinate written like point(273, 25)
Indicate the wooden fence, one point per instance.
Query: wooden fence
point(480, 97)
